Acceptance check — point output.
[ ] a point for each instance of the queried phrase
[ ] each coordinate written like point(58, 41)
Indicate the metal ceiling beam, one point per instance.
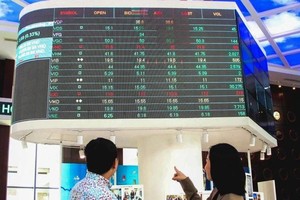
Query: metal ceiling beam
point(283, 34)
point(21, 2)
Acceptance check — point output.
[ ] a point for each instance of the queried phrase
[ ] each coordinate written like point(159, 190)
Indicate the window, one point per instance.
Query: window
point(33, 172)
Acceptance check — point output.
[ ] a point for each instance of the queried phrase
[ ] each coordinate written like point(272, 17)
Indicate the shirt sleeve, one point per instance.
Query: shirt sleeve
point(190, 190)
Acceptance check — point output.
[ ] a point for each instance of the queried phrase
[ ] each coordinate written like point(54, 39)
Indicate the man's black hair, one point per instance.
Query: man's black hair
point(100, 155)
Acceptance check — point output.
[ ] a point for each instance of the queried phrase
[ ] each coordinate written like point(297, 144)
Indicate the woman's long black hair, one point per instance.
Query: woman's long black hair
point(226, 169)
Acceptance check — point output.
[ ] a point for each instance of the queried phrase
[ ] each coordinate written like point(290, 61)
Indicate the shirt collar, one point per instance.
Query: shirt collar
point(98, 178)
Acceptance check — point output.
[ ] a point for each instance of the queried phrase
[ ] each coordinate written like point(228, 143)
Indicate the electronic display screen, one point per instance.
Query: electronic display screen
point(123, 63)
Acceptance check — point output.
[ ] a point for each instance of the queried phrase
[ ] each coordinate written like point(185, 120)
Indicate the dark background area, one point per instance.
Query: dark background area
point(283, 165)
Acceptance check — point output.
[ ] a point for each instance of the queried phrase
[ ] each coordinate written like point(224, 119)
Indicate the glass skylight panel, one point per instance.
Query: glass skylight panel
point(293, 59)
point(9, 11)
point(265, 5)
point(282, 23)
point(276, 61)
point(289, 43)
point(269, 50)
point(32, 1)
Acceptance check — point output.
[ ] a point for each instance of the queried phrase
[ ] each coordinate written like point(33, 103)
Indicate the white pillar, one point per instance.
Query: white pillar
point(157, 156)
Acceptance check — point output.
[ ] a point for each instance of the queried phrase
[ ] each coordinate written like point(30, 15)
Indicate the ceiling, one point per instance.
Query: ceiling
point(274, 23)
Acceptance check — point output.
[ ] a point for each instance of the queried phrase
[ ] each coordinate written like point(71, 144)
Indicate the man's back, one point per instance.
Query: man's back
point(93, 186)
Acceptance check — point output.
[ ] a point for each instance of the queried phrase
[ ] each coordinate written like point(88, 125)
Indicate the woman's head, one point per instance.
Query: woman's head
point(225, 168)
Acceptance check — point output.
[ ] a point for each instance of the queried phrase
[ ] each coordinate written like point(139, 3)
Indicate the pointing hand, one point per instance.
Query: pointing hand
point(178, 176)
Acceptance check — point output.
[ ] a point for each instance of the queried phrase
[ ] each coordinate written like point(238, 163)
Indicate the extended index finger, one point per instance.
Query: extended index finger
point(176, 170)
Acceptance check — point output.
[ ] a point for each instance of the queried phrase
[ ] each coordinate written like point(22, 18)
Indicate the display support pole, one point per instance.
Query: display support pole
point(249, 162)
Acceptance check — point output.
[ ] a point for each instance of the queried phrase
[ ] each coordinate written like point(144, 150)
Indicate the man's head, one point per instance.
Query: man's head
point(101, 155)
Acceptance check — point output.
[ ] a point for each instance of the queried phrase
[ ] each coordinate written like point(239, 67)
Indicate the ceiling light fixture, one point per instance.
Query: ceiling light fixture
point(264, 148)
point(252, 140)
point(112, 138)
point(179, 137)
point(24, 144)
point(80, 139)
point(269, 150)
point(205, 136)
point(23, 140)
point(262, 155)
point(81, 153)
